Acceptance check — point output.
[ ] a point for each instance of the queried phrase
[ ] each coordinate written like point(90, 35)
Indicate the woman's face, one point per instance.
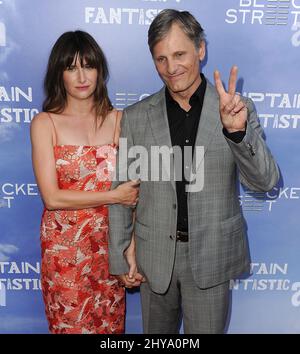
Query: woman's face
point(80, 81)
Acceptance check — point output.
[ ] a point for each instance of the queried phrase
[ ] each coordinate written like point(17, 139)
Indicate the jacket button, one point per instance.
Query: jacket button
point(174, 206)
point(171, 237)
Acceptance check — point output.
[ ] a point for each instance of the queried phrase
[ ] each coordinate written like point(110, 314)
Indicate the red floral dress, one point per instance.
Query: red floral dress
point(79, 293)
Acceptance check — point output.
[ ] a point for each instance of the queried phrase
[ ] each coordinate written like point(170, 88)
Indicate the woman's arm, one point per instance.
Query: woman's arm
point(45, 172)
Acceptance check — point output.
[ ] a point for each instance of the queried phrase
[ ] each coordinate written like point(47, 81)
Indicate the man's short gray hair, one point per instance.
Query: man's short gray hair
point(164, 21)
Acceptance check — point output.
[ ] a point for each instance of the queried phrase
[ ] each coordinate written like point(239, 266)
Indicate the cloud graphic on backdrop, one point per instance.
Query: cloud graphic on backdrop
point(11, 6)
point(3, 203)
point(7, 250)
point(6, 51)
point(3, 76)
point(10, 15)
point(2, 35)
point(7, 131)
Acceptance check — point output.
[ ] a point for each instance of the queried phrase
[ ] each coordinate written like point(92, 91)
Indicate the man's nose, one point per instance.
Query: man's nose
point(172, 67)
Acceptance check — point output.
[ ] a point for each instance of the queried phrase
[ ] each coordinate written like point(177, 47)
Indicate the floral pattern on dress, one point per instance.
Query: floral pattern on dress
point(79, 293)
point(106, 161)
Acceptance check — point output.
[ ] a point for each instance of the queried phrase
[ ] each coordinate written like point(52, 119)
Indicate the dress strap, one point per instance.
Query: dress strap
point(118, 115)
point(55, 134)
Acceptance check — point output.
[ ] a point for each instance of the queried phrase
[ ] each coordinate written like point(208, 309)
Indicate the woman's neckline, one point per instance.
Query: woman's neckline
point(88, 146)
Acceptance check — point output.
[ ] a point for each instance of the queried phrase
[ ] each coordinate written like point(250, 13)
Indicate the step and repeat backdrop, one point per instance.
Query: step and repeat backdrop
point(262, 37)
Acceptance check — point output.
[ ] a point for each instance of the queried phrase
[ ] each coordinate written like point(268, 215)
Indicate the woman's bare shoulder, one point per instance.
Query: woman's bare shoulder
point(41, 119)
point(42, 125)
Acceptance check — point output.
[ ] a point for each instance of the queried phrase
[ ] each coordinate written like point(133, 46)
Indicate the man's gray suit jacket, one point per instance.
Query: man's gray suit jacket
point(218, 248)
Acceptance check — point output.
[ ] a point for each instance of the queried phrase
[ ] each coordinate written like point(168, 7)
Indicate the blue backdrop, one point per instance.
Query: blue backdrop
point(262, 37)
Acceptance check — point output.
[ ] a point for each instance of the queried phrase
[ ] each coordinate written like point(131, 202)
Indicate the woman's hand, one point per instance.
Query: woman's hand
point(128, 193)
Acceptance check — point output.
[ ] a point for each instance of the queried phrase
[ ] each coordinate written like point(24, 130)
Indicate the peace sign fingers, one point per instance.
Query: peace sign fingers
point(231, 83)
point(218, 83)
point(233, 111)
point(232, 80)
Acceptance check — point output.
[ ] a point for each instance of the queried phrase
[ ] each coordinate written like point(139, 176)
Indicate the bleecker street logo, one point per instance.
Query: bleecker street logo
point(265, 12)
point(10, 191)
point(260, 202)
point(125, 99)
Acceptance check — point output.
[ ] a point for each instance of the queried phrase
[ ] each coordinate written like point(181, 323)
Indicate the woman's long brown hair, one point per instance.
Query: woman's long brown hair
point(68, 47)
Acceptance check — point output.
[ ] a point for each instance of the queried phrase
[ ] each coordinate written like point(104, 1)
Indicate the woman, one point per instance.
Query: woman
point(74, 145)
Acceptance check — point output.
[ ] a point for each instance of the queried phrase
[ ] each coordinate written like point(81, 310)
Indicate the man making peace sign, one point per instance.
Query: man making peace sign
point(189, 244)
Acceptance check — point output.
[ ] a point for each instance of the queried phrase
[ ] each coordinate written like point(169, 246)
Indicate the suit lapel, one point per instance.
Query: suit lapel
point(158, 118)
point(209, 121)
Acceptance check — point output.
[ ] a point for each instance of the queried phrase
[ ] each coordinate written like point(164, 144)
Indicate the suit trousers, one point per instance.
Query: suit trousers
point(202, 310)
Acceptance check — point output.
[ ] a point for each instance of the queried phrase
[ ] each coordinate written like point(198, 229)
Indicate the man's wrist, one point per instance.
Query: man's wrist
point(236, 136)
point(230, 131)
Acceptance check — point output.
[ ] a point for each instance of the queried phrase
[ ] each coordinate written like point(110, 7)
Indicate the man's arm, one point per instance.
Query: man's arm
point(120, 217)
point(258, 170)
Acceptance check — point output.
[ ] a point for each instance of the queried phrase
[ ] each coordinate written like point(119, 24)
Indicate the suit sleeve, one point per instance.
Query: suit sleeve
point(257, 167)
point(120, 216)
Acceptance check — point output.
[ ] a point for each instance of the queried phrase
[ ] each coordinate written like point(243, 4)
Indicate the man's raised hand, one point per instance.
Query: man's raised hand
point(233, 110)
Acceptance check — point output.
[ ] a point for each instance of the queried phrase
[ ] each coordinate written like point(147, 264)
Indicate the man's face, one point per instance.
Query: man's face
point(177, 61)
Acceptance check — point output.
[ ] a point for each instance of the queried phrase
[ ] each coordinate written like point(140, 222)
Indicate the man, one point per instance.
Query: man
point(189, 244)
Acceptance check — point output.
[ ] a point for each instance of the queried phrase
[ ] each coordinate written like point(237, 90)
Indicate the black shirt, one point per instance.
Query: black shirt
point(183, 130)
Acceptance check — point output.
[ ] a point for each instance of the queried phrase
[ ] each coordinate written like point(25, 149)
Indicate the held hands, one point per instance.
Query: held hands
point(133, 278)
point(128, 193)
point(233, 111)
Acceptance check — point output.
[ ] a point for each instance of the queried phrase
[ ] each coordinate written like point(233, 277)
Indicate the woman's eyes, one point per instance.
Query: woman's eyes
point(73, 67)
